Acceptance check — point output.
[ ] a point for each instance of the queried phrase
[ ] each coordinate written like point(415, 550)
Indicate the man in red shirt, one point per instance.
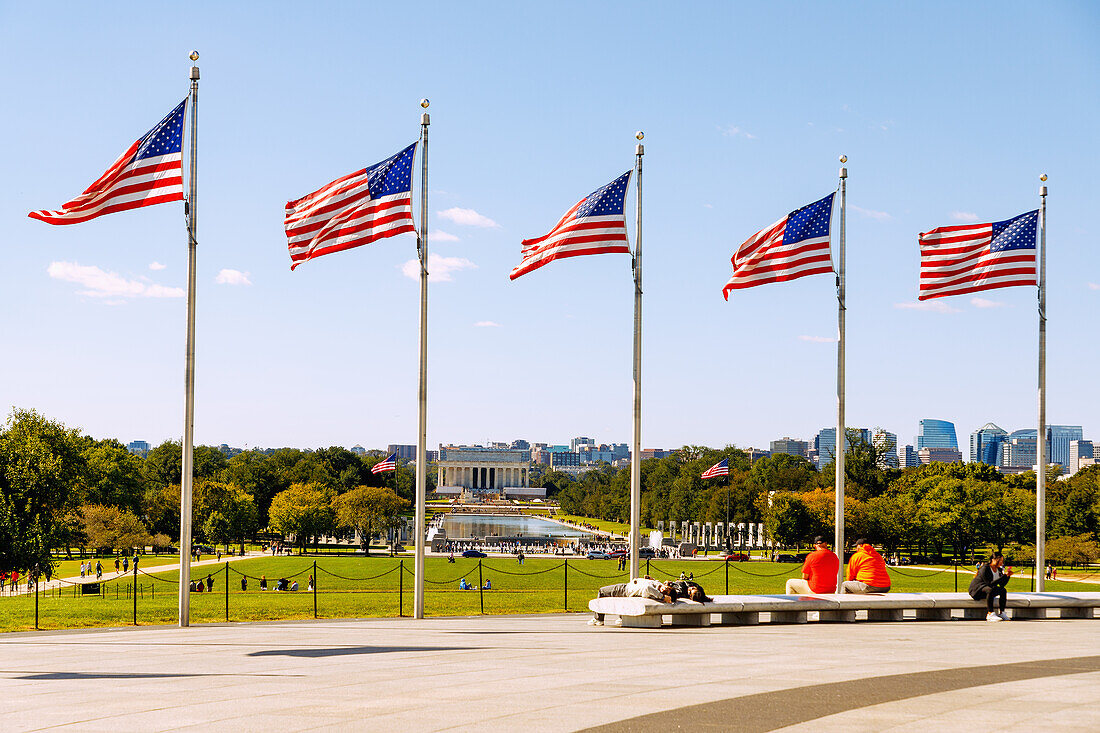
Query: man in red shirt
point(819, 572)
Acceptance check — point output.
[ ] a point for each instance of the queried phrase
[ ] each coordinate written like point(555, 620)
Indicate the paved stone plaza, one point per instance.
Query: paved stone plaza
point(551, 673)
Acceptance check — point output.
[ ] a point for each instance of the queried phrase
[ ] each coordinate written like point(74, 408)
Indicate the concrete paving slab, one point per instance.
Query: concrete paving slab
point(546, 673)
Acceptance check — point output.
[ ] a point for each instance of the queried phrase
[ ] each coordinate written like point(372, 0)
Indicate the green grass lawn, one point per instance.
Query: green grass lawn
point(606, 525)
point(352, 587)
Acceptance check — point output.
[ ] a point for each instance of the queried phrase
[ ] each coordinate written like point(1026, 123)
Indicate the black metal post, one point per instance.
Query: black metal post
point(135, 595)
point(956, 568)
point(227, 591)
point(314, 589)
point(480, 586)
point(36, 603)
point(727, 575)
point(401, 589)
point(647, 566)
point(566, 584)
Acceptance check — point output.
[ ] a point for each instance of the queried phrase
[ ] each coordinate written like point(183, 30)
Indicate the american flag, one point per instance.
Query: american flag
point(149, 172)
point(795, 246)
point(390, 464)
point(369, 204)
point(595, 225)
point(722, 468)
point(972, 257)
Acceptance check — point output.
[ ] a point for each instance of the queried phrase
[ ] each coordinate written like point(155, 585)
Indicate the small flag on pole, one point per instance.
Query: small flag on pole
point(795, 246)
point(149, 172)
point(722, 468)
point(971, 257)
point(390, 464)
point(357, 209)
point(595, 225)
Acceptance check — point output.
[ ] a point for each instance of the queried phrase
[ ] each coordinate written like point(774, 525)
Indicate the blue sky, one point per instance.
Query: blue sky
point(948, 112)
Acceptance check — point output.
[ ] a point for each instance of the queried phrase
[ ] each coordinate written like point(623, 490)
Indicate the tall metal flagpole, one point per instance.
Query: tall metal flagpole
point(422, 390)
point(636, 446)
point(838, 448)
point(189, 360)
point(1041, 435)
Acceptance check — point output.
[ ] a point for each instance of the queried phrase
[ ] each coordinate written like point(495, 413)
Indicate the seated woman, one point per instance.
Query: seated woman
point(989, 583)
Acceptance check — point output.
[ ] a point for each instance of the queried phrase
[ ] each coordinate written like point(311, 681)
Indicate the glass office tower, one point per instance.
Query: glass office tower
point(936, 434)
point(985, 444)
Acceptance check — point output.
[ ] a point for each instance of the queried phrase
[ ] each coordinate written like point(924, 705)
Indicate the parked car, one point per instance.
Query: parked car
point(474, 553)
point(736, 557)
point(616, 554)
point(597, 555)
point(204, 549)
point(788, 558)
point(647, 552)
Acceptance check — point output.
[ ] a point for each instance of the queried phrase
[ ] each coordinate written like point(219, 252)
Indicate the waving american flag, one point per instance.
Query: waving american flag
point(595, 225)
point(149, 172)
point(795, 246)
point(357, 209)
point(722, 468)
point(972, 257)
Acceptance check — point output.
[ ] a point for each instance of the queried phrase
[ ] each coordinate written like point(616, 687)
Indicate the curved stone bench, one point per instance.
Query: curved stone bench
point(746, 609)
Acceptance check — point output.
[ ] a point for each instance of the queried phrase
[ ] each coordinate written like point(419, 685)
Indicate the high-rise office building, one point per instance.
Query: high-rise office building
point(825, 443)
point(404, 452)
point(576, 444)
point(1058, 439)
point(907, 457)
point(936, 434)
point(985, 444)
point(1018, 450)
point(888, 441)
point(789, 446)
point(1079, 449)
point(138, 447)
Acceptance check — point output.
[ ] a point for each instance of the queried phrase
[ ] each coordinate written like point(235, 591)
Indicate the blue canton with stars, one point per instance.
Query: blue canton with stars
point(1015, 233)
point(166, 137)
point(809, 222)
point(607, 200)
point(392, 175)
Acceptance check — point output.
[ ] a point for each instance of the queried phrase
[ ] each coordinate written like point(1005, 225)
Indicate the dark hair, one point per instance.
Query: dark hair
point(995, 556)
point(862, 541)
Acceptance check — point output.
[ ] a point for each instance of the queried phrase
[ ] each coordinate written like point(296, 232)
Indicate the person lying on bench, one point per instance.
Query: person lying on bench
point(644, 587)
point(866, 571)
point(989, 584)
point(819, 572)
point(688, 589)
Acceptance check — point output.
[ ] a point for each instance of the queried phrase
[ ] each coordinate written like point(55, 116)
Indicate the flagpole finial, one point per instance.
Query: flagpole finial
point(639, 134)
point(843, 170)
point(424, 102)
point(194, 56)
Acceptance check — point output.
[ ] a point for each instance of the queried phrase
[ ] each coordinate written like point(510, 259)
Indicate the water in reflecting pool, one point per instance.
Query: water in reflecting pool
point(484, 525)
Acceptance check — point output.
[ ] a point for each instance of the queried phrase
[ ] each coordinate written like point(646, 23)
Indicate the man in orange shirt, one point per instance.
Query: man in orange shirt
point(819, 572)
point(866, 571)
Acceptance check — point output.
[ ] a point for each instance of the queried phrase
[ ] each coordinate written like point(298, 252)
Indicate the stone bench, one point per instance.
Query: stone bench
point(746, 609)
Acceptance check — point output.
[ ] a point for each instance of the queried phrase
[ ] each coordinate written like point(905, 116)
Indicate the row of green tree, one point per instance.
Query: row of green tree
point(926, 509)
point(60, 488)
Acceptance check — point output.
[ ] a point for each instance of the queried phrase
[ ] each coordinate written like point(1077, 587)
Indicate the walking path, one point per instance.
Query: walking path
point(22, 589)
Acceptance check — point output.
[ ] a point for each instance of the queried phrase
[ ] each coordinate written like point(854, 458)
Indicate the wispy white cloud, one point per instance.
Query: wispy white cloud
point(936, 306)
point(963, 216)
point(708, 206)
point(487, 324)
point(983, 303)
point(870, 213)
point(99, 283)
point(441, 236)
point(735, 131)
point(818, 339)
point(440, 269)
point(467, 217)
point(232, 277)
point(1094, 286)
point(156, 266)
